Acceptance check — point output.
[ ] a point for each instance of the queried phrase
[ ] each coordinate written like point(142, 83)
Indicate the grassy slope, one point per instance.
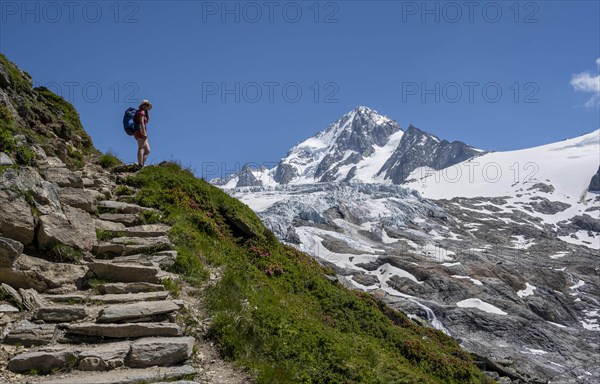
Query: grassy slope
point(274, 310)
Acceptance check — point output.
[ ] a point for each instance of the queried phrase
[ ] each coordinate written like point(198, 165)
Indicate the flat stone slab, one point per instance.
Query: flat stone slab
point(135, 312)
point(160, 351)
point(43, 361)
point(60, 314)
point(137, 287)
point(125, 376)
point(107, 249)
point(28, 334)
point(124, 273)
point(147, 230)
point(7, 308)
point(109, 298)
point(109, 226)
point(162, 260)
point(104, 357)
point(78, 198)
point(127, 219)
point(121, 331)
point(122, 207)
point(143, 244)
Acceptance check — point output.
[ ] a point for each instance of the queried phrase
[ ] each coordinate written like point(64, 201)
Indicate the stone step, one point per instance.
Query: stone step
point(29, 334)
point(120, 288)
point(120, 230)
point(123, 331)
point(120, 207)
point(137, 312)
point(163, 259)
point(142, 353)
point(131, 245)
point(127, 219)
point(60, 314)
point(108, 298)
point(124, 273)
point(124, 376)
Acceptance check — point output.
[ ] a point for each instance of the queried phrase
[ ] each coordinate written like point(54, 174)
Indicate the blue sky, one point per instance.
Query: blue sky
point(225, 77)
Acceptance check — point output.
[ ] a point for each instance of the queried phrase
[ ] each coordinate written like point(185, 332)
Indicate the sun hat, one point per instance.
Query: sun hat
point(145, 101)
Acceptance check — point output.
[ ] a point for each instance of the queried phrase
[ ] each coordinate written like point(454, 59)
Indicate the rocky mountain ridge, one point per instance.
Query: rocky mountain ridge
point(362, 146)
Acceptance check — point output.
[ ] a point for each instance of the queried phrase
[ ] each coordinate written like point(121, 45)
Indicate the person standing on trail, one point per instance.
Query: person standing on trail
point(142, 116)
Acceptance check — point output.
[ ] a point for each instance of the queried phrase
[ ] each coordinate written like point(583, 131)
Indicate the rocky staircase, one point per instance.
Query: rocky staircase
point(117, 323)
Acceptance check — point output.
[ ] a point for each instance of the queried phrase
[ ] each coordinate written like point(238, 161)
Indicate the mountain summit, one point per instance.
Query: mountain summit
point(362, 146)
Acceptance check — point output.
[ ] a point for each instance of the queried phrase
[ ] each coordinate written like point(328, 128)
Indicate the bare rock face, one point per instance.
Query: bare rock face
point(43, 361)
point(162, 351)
point(16, 220)
point(78, 198)
point(74, 227)
point(41, 275)
point(9, 250)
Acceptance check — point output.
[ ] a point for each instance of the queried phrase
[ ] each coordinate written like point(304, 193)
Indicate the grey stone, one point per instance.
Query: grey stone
point(143, 244)
point(5, 159)
point(121, 207)
point(135, 312)
point(16, 220)
point(29, 334)
point(44, 361)
point(113, 228)
point(31, 299)
point(124, 273)
point(7, 308)
point(108, 299)
point(63, 177)
point(162, 351)
point(9, 250)
point(74, 228)
point(120, 331)
point(163, 260)
point(104, 357)
point(137, 287)
point(247, 179)
point(147, 230)
point(78, 198)
point(107, 249)
point(41, 275)
point(58, 314)
point(127, 376)
point(123, 218)
point(13, 294)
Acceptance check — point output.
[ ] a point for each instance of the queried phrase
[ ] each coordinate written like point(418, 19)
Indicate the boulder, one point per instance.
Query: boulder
point(63, 177)
point(13, 294)
point(28, 334)
point(161, 351)
point(143, 244)
point(78, 198)
point(43, 361)
point(41, 275)
point(104, 357)
point(9, 250)
point(7, 308)
point(16, 220)
point(5, 159)
point(74, 227)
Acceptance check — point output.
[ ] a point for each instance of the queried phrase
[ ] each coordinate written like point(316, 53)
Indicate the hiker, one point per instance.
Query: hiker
point(141, 119)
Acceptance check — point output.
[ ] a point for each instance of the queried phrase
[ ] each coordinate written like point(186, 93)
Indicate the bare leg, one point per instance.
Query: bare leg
point(146, 151)
point(143, 151)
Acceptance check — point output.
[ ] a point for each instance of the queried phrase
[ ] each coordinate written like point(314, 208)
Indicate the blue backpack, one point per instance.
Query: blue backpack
point(129, 125)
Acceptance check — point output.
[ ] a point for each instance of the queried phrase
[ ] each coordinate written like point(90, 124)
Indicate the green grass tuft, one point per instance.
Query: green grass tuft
point(109, 160)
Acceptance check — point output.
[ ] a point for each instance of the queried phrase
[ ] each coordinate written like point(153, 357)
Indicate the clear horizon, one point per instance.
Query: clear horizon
point(243, 82)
